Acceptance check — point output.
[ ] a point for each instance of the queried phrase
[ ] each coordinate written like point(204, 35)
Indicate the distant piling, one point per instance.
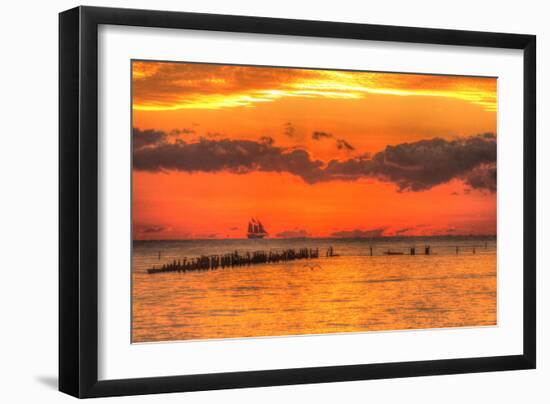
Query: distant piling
point(236, 259)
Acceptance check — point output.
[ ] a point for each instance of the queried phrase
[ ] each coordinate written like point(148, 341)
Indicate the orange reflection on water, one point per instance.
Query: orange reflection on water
point(327, 295)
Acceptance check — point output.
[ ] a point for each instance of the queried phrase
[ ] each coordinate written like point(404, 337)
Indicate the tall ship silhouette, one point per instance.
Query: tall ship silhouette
point(256, 229)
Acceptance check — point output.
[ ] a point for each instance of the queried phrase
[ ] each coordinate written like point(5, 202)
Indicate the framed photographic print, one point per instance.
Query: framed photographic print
point(251, 201)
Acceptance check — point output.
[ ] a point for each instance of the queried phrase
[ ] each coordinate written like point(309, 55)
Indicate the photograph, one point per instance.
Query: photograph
point(272, 201)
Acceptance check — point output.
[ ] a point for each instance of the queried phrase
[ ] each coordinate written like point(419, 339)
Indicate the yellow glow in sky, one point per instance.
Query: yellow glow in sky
point(164, 87)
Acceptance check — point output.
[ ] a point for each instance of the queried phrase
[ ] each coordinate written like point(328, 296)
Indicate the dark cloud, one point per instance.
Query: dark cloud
point(153, 229)
point(183, 131)
point(421, 165)
point(413, 166)
point(267, 140)
point(403, 230)
point(237, 156)
point(214, 134)
point(234, 228)
point(483, 177)
point(373, 233)
point(318, 135)
point(342, 144)
point(148, 137)
point(365, 156)
point(290, 131)
point(297, 233)
point(205, 236)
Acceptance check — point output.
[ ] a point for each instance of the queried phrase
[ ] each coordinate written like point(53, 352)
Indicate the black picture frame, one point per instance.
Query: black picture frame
point(78, 201)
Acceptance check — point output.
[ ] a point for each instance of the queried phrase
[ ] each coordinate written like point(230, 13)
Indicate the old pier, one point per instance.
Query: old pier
point(236, 259)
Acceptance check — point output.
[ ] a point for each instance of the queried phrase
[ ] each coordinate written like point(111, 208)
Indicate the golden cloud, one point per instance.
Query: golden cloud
point(159, 86)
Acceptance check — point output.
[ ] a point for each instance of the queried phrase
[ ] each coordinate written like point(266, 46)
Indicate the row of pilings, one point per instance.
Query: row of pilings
point(236, 259)
point(427, 250)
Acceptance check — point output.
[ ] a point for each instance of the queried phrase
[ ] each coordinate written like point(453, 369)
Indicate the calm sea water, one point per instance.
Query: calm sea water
point(353, 292)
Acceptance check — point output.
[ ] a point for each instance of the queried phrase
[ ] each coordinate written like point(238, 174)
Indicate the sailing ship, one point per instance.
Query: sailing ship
point(256, 229)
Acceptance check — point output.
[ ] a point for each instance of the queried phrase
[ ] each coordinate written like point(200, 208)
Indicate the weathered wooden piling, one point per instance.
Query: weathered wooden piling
point(236, 259)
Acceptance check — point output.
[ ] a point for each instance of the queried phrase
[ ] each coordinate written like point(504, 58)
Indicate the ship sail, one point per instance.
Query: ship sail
point(261, 227)
point(256, 229)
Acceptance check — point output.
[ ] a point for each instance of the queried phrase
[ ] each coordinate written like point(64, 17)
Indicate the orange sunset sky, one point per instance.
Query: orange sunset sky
point(314, 153)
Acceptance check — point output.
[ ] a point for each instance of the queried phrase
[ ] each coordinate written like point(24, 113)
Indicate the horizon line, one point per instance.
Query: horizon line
point(321, 237)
